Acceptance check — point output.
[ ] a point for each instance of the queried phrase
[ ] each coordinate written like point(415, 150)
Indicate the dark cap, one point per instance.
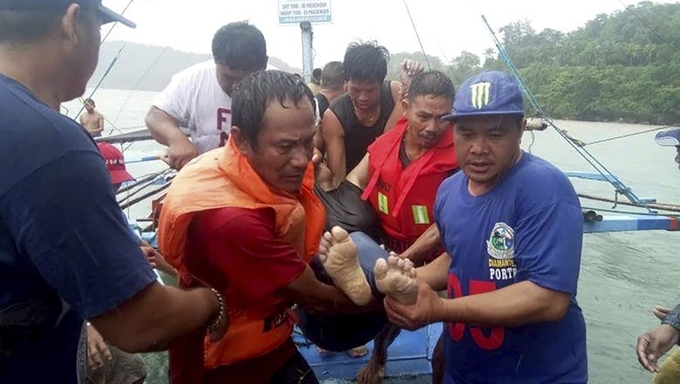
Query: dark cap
point(488, 93)
point(108, 16)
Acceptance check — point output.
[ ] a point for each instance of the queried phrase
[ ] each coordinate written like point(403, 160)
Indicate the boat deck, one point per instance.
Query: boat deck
point(409, 355)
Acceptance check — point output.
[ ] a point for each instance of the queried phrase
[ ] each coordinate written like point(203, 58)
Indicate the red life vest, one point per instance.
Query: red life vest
point(404, 197)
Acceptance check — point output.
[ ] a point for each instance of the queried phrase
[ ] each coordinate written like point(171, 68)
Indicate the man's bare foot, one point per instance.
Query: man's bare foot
point(397, 277)
point(354, 352)
point(338, 254)
point(371, 373)
point(358, 352)
point(322, 352)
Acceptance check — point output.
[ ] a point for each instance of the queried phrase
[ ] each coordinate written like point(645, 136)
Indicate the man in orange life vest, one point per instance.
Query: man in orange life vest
point(400, 176)
point(253, 201)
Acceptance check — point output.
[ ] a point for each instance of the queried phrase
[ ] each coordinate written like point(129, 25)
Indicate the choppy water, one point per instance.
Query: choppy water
point(622, 274)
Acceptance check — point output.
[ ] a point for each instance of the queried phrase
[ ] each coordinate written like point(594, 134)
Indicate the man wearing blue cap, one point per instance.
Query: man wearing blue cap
point(512, 227)
point(66, 252)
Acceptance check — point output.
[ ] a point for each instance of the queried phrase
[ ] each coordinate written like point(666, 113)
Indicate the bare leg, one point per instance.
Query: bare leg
point(397, 278)
point(438, 361)
point(374, 371)
point(338, 254)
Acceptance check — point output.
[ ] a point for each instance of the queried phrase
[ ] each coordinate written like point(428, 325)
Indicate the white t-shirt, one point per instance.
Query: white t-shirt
point(195, 99)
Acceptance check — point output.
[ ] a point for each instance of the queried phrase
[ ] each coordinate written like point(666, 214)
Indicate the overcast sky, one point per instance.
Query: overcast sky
point(446, 27)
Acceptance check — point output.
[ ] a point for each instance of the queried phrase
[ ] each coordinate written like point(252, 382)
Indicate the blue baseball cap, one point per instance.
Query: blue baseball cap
point(107, 15)
point(488, 93)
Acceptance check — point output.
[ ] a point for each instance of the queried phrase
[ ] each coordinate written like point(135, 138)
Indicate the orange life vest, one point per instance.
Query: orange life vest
point(404, 197)
point(224, 178)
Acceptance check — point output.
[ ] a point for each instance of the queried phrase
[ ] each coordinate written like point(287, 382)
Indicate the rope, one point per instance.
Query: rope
point(413, 24)
point(146, 196)
point(113, 62)
point(145, 185)
point(139, 81)
point(106, 73)
point(628, 135)
point(620, 187)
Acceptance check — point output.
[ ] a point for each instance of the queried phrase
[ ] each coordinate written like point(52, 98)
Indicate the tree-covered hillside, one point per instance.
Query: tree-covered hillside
point(622, 66)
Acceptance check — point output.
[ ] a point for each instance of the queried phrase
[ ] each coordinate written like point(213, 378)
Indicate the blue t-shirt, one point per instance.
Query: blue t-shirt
point(66, 251)
point(528, 227)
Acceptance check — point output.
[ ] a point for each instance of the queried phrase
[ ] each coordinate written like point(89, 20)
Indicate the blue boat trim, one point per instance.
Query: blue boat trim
point(626, 223)
point(409, 355)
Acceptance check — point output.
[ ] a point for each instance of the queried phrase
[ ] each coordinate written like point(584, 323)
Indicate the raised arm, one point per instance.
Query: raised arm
point(409, 69)
point(359, 175)
point(395, 88)
point(334, 142)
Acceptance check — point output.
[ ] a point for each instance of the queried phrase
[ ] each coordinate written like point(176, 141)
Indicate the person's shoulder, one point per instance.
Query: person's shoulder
point(541, 171)
point(340, 102)
point(387, 140)
point(33, 135)
point(450, 184)
point(542, 183)
point(198, 70)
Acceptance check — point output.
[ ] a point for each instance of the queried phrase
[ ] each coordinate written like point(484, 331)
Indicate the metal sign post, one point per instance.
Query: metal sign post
point(307, 59)
point(304, 13)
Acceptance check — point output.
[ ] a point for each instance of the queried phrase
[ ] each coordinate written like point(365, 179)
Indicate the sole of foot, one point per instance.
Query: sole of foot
point(397, 278)
point(338, 254)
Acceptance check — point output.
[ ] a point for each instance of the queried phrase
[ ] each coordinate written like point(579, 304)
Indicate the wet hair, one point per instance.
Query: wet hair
point(257, 90)
point(433, 83)
point(19, 27)
point(365, 62)
point(240, 46)
point(332, 77)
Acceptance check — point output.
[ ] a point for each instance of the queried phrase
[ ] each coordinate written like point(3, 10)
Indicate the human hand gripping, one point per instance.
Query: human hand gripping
point(150, 253)
point(660, 311)
point(428, 309)
point(654, 344)
point(409, 69)
point(97, 350)
point(179, 153)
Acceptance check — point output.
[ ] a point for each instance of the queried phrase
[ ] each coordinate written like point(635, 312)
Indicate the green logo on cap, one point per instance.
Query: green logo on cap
point(480, 94)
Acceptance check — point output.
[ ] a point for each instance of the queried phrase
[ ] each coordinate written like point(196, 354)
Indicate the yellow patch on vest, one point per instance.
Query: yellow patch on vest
point(382, 204)
point(420, 215)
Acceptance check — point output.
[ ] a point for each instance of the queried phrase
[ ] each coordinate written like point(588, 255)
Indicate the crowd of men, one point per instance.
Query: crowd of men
point(354, 201)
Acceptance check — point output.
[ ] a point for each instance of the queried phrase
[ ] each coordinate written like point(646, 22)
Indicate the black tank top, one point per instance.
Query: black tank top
point(357, 136)
point(323, 104)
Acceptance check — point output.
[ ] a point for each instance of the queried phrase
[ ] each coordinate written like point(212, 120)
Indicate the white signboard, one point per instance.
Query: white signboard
point(296, 11)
